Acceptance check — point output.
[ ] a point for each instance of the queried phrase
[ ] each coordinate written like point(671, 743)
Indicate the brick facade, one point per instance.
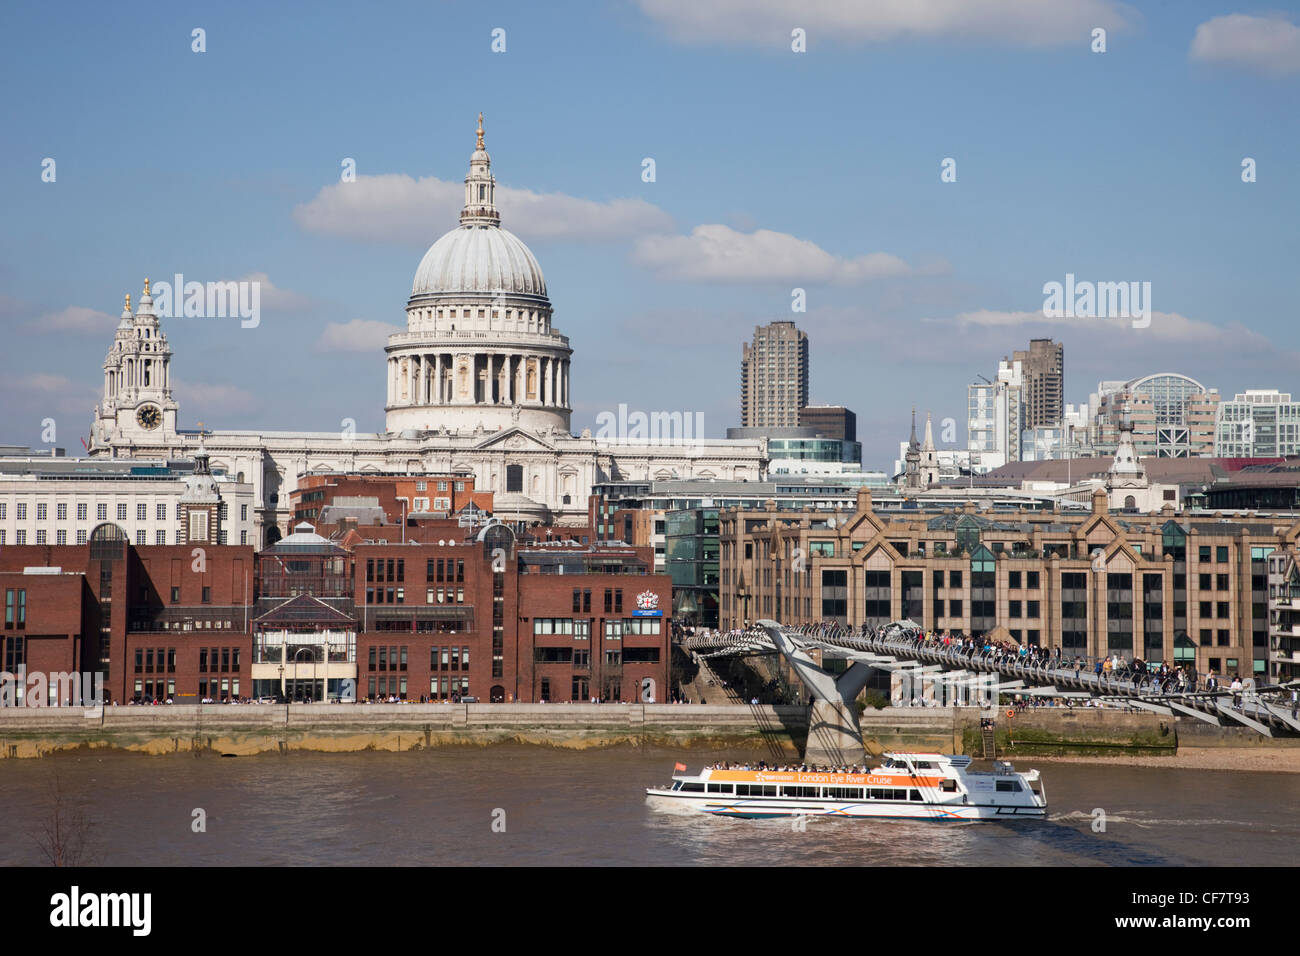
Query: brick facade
point(1166, 587)
point(443, 618)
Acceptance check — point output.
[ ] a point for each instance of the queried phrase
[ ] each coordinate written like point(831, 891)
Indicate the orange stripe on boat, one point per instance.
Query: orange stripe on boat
point(830, 779)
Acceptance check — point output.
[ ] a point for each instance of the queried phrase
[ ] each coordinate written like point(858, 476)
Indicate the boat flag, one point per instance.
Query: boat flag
point(679, 766)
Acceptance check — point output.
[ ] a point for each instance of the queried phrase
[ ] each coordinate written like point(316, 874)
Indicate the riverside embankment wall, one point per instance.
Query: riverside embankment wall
point(1081, 731)
point(251, 729)
point(770, 732)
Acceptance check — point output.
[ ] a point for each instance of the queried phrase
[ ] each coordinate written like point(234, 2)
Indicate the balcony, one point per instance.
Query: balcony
point(202, 617)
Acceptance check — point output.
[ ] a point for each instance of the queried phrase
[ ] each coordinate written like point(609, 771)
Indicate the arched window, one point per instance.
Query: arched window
point(107, 543)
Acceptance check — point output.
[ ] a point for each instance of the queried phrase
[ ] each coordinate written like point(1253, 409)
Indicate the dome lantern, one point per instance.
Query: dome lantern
point(480, 188)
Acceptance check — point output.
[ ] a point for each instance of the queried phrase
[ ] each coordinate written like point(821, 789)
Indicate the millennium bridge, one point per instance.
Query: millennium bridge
point(903, 648)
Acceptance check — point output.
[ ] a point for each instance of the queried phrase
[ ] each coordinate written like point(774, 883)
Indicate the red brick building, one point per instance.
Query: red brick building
point(481, 612)
point(146, 617)
point(395, 495)
point(489, 614)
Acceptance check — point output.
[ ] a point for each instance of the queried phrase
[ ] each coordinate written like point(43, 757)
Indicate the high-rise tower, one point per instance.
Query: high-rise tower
point(1043, 366)
point(774, 376)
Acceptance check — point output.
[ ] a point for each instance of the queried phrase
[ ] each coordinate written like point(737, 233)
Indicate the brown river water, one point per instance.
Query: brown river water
point(516, 805)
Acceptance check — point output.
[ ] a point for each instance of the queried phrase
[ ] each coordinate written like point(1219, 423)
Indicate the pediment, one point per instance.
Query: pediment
point(1098, 529)
point(304, 608)
point(515, 439)
point(1120, 556)
point(877, 555)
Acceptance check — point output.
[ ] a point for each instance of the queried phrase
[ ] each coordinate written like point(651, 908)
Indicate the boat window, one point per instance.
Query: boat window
point(803, 792)
point(949, 786)
point(769, 790)
point(1009, 786)
point(925, 765)
point(742, 789)
point(719, 788)
point(875, 794)
point(677, 785)
point(693, 787)
point(914, 795)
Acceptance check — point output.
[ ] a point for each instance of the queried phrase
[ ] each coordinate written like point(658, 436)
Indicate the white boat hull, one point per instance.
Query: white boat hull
point(763, 807)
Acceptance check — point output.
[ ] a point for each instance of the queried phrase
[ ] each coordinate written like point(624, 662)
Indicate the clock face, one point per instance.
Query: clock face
point(149, 416)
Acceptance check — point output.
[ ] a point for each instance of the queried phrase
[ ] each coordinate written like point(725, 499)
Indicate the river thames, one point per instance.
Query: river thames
point(517, 805)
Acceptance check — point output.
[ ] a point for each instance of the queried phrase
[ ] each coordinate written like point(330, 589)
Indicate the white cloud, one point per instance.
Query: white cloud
point(46, 383)
point(769, 22)
point(717, 253)
point(1167, 329)
point(32, 397)
point(202, 399)
point(359, 335)
point(1269, 44)
point(73, 318)
point(396, 208)
point(992, 317)
point(280, 300)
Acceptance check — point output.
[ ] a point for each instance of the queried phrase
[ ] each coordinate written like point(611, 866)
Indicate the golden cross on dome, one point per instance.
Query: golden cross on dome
point(480, 130)
point(146, 285)
point(200, 424)
point(128, 302)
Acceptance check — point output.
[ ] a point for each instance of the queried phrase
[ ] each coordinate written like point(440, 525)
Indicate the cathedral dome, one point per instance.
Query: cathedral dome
point(479, 258)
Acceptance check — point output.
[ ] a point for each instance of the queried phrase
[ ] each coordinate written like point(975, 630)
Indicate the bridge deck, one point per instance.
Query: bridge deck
point(901, 648)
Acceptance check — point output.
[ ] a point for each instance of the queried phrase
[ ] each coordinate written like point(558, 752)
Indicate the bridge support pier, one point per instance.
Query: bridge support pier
point(834, 734)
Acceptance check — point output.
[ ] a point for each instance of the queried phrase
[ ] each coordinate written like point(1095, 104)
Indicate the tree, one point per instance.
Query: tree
point(64, 829)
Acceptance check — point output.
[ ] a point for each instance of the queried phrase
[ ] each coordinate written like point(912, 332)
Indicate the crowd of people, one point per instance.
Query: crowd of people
point(1155, 678)
point(1114, 669)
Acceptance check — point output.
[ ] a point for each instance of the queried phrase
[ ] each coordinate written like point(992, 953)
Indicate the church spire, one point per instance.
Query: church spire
point(913, 443)
point(480, 187)
point(929, 435)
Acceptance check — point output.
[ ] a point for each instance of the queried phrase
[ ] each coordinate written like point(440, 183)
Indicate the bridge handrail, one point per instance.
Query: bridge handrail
point(1126, 682)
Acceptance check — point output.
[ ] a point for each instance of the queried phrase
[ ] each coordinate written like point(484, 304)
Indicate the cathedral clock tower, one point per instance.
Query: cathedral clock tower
point(138, 401)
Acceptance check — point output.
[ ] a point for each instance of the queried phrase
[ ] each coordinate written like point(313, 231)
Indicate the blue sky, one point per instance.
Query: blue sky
point(774, 170)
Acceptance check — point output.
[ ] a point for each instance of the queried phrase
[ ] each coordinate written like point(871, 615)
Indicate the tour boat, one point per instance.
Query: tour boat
point(913, 786)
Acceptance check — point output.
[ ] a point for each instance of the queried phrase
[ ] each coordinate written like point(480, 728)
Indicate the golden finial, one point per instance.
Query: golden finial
point(128, 302)
point(146, 285)
point(200, 424)
point(480, 130)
